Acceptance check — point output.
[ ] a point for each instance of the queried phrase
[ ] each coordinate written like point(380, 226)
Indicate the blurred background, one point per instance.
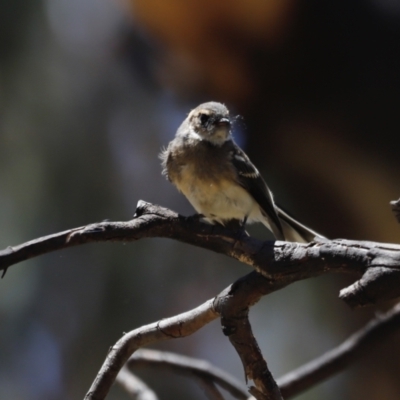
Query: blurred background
point(91, 90)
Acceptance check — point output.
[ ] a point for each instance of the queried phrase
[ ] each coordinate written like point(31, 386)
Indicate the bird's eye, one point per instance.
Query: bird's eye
point(204, 118)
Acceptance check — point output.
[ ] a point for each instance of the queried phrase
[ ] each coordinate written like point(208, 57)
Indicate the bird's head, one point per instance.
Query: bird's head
point(211, 122)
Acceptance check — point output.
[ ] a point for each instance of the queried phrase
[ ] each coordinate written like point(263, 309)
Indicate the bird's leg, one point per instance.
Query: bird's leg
point(239, 227)
point(243, 227)
point(193, 218)
point(196, 217)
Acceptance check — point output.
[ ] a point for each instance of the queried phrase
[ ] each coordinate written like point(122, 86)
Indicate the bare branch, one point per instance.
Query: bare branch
point(209, 388)
point(334, 361)
point(188, 366)
point(170, 328)
point(136, 388)
point(378, 264)
point(243, 293)
point(246, 290)
point(233, 304)
point(280, 263)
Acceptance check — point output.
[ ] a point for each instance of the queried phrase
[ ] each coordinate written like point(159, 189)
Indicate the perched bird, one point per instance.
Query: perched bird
point(218, 178)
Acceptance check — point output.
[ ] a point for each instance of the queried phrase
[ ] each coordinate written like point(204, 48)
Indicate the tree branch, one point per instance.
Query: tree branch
point(188, 366)
point(238, 296)
point(243, 293)
point(233, 304)
point(170, 328)
point(378, 264)
point(136, 388)
point(334, 361)
point(277, 264)
point(210, 389)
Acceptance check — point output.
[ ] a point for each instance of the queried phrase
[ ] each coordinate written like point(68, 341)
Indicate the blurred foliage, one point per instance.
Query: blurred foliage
point(89, 93)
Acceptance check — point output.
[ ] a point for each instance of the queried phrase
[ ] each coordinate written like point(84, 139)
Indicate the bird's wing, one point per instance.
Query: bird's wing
point(251, 180)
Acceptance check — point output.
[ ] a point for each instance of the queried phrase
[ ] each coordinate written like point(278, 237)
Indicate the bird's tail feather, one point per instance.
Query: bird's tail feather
point(294, 231)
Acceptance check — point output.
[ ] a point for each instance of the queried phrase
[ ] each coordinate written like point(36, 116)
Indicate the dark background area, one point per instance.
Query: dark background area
point(91, 91)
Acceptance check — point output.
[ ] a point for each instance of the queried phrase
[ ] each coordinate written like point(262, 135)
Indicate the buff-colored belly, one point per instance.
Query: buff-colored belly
point(222, 200)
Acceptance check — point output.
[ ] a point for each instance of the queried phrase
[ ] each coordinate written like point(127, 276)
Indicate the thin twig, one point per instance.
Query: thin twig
point(134, 386)
point(188, 366)
point(209, 388)
point(334, 361)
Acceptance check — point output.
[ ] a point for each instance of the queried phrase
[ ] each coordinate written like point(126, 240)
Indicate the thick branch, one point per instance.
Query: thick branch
point(377, 263)
point(233, 304)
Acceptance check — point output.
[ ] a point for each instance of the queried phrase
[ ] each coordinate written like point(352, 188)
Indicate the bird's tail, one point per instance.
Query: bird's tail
point(294, 231)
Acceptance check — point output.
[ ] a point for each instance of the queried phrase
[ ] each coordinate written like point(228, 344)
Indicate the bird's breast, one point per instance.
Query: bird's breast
point(216, 197)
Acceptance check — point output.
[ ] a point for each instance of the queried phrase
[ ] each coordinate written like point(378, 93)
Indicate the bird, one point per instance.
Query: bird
point(218, 178)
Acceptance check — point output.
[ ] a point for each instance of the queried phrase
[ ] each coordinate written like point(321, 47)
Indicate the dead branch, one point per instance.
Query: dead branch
point(136, 388)
point(210, 389)
point(233, 304)
point(377, 264)
point(243, 292)
point(277, 264)
point(188, 366)
point(170, 328)
point(357, 345)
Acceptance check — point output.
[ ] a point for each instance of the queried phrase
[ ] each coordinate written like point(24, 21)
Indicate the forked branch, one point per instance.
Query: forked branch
point(376, 267)
point(377, 264)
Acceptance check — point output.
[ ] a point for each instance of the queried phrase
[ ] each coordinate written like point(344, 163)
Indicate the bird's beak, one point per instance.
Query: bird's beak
point(224, 122)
